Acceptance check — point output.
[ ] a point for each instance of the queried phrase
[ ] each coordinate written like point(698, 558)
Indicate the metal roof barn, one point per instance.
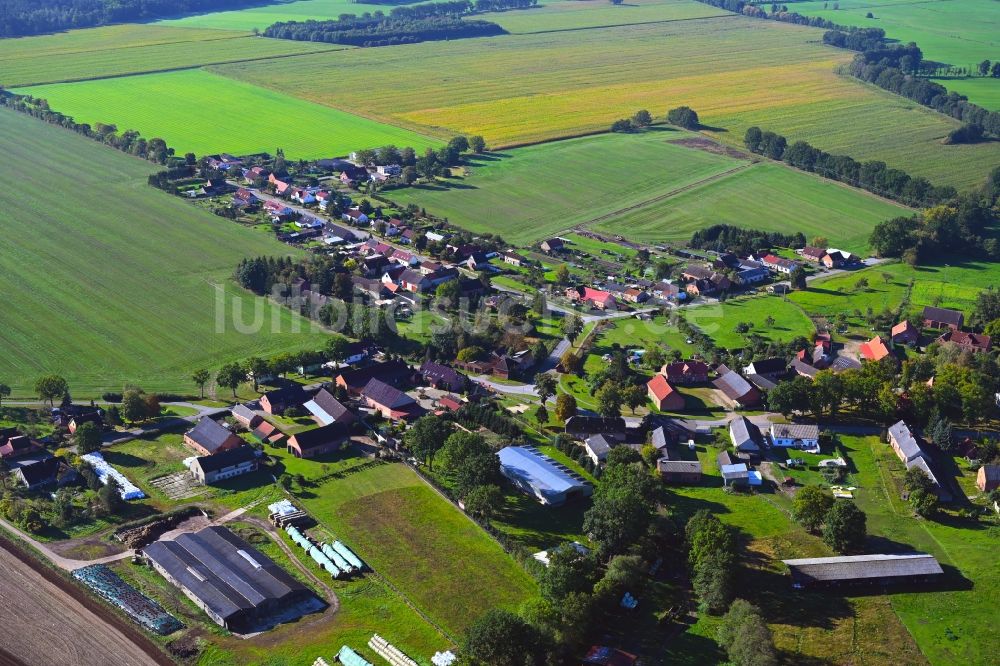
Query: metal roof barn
point(235, 584)
point(541, 476)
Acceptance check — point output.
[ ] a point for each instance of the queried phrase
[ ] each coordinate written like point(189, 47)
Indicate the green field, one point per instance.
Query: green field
point(280, 10)
point(583, 14)
point(109, 281)
point(948, 286)
point(983, 91)
point(239, 119)
point(786, 201)
point(131, 49)
point(954, 32)
point(434, 555)
point(735, 72)
point(529, 193)
point(718, 321)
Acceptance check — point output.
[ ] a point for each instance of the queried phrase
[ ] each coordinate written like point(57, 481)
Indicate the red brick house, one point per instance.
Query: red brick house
point(277, 401)
point(318, 441)
point(942, 318)
point(988, 478)
point(210, 437)
point(974, 342)
point(685, 372)
point(664, 396)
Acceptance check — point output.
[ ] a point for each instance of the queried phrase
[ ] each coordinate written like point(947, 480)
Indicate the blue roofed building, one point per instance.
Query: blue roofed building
point(550, 482)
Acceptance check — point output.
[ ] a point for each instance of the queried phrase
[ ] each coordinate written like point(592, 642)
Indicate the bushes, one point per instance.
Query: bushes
point(683, 116)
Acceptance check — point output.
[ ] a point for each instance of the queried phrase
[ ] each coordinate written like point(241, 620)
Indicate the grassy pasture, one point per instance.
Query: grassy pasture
point(948, 286)
point(955, 32)
point(108, 281)
point(529, 193)
point(983, 91)
point(584, 14)
point(783, 200)
point(718, 321)
point(131, 49)
point(439, 559)
point(736, 72)
point(239, 119)
point(282, 10)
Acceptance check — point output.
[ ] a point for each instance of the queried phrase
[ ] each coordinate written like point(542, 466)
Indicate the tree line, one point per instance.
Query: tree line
point(19, 18)
point(961, 225)
point(873, 175)
point(894, 69)
point(403, 25)
point(128, 141)
point(743, 241)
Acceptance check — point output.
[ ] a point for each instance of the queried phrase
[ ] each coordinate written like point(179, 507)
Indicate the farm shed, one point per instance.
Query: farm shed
point(538, 475)
point(234, 583)
point(863, 569)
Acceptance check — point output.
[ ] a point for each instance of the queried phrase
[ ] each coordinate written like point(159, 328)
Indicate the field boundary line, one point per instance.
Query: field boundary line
point(105, 49)
point(166, 70)
point(661, 197)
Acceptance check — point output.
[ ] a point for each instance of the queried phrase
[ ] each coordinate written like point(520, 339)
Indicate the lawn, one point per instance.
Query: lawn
point(718, 321)
point(765, 196)
point(241, 119)
point(736, 72)
point(110, 282)
point(445, 564)
point(955, 32)
point(118, 50)
point(512, 193)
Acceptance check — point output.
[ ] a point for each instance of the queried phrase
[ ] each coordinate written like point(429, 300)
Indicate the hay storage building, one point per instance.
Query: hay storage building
point(542, 477)
point(234, 583)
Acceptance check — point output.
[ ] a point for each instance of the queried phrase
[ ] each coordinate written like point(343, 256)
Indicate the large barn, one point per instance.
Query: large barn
point(234, 583)
point(538, 475)
point(863, 569)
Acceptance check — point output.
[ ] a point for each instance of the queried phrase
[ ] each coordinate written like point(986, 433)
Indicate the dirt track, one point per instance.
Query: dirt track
point(47, 621)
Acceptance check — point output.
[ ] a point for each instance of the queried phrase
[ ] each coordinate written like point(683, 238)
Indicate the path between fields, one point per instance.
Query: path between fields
point(661, 197)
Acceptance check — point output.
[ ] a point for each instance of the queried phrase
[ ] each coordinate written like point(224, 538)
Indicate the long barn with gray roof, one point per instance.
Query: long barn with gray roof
point(239, 587)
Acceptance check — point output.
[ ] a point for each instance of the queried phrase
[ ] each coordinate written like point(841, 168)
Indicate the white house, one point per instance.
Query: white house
point(795, 436)
point(745, 435)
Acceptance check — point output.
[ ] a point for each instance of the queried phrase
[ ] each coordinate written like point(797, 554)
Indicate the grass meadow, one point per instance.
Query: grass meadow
point(580, 15)
point(945, 285)
point(443, 562)
point(109, 281)
point(983, 91)
point(718, 321)
point(281, 10)
point(955, 32)
point(239, 118)
point(735, 72)
point(527, 194)
point(118, 50)
point(765, 196)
